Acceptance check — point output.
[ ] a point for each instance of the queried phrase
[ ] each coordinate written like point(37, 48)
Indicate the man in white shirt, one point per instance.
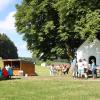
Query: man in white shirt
point(74, 68)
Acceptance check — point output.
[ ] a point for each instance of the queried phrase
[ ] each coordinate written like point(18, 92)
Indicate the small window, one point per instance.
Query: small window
point(15, 64)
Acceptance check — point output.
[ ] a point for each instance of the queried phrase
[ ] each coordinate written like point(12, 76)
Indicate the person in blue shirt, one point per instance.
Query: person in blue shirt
point(10, 72)
point(93, 66)
point(0, 73)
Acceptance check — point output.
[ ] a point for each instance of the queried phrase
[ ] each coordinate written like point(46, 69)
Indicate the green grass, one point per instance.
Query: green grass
point(42, 71)
point(49, 89)
point(45, 87)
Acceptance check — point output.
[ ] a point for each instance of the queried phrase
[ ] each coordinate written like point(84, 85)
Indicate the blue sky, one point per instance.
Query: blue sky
point(7, 10)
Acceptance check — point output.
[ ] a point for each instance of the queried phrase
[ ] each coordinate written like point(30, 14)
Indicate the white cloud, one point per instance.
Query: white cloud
point(3, 4)
point(8, 24)
point(22, 50)
point(22, 46)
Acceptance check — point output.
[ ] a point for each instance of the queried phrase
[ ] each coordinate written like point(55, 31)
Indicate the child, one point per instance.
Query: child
point(80, 68)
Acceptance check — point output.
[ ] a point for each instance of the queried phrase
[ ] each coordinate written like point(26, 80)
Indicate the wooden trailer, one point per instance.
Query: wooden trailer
point(19, 65)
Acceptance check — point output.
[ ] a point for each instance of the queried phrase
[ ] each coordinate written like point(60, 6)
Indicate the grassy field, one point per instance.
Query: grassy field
point(45, 87)
point(42, 71)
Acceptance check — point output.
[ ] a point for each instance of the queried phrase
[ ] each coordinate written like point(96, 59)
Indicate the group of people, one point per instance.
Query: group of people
point(81, 68)
point(59, 69)
point(6, 72)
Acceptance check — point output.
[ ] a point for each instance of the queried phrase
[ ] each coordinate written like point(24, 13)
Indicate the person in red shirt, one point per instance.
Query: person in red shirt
point(4, 73)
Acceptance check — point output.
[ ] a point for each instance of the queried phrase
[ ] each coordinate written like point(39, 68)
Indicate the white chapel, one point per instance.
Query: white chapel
point(89, 50)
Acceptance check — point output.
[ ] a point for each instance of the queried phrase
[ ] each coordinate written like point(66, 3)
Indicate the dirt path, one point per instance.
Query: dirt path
point(60, 78)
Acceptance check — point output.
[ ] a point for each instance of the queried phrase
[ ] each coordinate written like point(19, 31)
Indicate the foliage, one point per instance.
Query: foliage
point(56, 28)
point(7, 48)
point(89, 25)
point(38, 22)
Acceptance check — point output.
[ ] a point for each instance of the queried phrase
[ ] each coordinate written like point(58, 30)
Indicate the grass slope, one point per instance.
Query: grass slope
point(51, 89)
point(45, 87)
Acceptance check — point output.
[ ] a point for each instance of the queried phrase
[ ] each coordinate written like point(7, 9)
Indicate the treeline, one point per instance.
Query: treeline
point(8, 49)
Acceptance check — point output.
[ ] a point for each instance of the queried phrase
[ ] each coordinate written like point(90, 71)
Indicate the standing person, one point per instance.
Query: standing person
point(86, 68)
point(0, 73)
point(7, 67)
point(64, 69)
point(52, 70)
point(10, 72)
point(4, 73)
point(93, 65)
point(74, 68)
point(80, 68)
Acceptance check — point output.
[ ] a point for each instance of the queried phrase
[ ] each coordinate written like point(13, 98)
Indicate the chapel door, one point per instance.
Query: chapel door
point(92, 57)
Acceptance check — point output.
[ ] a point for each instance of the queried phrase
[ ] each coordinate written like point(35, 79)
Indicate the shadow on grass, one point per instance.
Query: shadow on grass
point(12, 78)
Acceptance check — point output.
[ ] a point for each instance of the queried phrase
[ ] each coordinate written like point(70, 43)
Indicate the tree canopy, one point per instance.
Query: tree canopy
point(55, 28)
point(7, 48)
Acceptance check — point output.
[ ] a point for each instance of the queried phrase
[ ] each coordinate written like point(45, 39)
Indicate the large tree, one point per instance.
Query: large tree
point(7, 48)
point(57, 27)
point(38, 21)
point(79, 16)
